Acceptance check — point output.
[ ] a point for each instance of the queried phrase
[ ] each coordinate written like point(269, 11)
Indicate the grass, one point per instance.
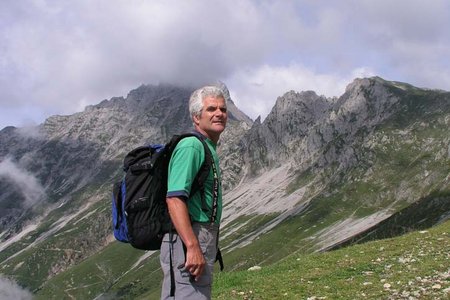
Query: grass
point(84, 280)
point(416, 264)
point(413, 266)
point(287, 237)
point(252, 223)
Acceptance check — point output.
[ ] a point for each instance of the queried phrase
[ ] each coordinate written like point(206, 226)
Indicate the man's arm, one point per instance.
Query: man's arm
point(195, 261)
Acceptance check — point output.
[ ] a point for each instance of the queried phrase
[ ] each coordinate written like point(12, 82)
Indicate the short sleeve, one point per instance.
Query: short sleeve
point(184, 165)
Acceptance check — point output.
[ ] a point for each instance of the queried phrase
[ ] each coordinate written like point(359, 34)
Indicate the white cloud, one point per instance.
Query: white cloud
point(256, 90)
point(11, 290)
point(65, 53)
point(58, 56)
point(26, 182)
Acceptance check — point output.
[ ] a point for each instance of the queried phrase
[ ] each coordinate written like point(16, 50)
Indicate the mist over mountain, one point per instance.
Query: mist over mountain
point(316, 173)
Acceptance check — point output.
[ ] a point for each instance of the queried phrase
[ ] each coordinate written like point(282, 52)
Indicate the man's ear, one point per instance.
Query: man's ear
point(196, 119)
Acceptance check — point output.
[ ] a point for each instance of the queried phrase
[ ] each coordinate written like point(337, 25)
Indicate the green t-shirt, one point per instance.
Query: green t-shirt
point(186, 160)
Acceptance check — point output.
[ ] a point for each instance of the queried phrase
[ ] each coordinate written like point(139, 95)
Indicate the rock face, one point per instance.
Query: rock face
point(66, 152)
point(301, 125)
point(337, 166)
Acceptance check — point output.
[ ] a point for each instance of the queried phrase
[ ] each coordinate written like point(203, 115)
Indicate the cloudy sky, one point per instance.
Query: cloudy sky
point(56, 57)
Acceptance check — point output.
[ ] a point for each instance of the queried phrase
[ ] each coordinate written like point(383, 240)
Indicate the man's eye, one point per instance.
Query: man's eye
point(213, 109)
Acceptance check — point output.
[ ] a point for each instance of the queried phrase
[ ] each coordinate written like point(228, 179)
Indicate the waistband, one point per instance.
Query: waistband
point(206, 225)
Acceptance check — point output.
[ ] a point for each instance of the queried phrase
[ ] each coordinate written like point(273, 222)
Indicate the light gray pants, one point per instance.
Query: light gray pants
point(185, 286)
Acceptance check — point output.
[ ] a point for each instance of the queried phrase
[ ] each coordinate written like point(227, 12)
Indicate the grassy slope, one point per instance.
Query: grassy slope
point(105, 273)
point(355, 197)
point(99, 273)
point(32, 267)
point(394, 176)
point(416, 265)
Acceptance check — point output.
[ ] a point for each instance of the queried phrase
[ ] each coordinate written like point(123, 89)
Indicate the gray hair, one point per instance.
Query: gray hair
point(196, 100)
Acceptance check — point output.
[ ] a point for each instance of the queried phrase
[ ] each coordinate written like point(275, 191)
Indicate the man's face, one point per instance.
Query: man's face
point(213, 118)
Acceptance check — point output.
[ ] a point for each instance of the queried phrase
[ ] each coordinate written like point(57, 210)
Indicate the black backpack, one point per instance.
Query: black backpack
point(139, 209)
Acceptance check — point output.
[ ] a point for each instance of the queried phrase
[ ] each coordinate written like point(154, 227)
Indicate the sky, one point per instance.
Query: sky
point(56, 57)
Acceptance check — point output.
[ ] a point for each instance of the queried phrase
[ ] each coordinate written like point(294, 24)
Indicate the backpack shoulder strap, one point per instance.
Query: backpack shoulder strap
point(203, 173)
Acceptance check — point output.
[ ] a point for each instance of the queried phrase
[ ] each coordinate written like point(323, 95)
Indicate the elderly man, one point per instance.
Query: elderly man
point(191, 250)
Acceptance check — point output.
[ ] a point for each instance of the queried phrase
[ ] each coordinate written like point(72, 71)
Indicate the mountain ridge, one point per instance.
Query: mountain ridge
point(315, 173)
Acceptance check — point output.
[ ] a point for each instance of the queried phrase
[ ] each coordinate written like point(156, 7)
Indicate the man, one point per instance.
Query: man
point(192, 248)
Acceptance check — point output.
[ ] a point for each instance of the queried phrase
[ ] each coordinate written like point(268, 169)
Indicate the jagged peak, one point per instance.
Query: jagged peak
point(292, 96)
point(359, 83)
point(151, 92)
point(307, 93)
point(299, 103)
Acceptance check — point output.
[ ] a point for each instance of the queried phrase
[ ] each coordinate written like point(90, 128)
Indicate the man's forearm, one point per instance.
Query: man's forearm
point(195, 261)
point(180, 218)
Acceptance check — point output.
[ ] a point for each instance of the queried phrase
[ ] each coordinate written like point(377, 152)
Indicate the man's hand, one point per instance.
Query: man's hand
point(195, 261)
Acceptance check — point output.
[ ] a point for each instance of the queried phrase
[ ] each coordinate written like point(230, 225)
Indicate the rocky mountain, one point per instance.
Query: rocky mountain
point(356, 159)
point(66, 152)
point(317, 173)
